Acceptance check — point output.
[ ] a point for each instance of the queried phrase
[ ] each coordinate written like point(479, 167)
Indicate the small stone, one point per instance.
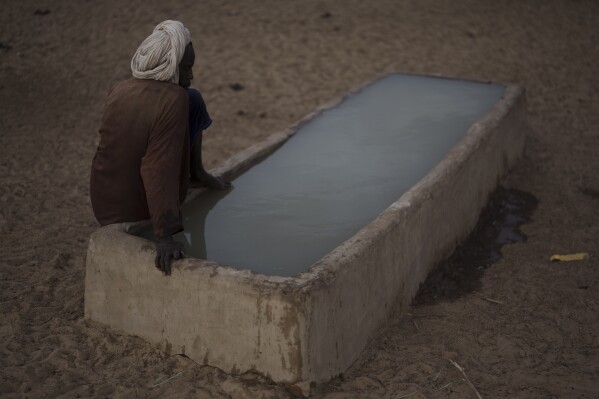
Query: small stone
point(236, 86)
point(582, 284)
point(41, 12)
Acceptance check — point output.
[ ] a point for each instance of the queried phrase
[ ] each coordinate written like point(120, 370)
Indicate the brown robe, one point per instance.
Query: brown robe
point(141, 166)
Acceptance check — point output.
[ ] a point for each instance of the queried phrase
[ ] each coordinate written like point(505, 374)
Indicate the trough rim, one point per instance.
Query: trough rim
point(324, 270)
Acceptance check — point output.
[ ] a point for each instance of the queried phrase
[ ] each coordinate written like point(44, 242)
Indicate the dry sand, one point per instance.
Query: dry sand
point(59, 58)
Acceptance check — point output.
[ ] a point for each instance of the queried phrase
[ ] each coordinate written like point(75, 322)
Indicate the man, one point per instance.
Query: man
point(142, 165)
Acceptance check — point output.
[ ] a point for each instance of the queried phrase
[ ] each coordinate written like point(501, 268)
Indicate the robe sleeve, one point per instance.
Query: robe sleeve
point(161, 166)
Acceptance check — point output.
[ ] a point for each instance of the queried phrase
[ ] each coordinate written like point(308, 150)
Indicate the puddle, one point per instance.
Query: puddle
point(498, 225)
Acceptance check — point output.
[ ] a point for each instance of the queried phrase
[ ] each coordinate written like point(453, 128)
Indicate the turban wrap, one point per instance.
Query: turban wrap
point(159, 55)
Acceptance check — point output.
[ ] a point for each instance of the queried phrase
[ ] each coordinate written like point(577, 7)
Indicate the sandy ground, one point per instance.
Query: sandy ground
point(58, 59)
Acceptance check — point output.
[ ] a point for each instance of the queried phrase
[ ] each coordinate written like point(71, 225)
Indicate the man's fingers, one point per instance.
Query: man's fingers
point(158, 261)
point(162, 262)
point(166, 252)
point(168, 259)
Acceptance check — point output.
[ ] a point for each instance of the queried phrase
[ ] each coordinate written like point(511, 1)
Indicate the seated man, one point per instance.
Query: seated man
point(142, 165)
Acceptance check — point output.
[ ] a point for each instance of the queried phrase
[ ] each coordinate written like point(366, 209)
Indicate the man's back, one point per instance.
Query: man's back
point(142, 162)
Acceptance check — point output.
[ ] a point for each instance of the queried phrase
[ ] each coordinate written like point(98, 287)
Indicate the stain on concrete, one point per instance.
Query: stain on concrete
point(258, 324)
point(167, 348)
point(258, 308)
point(283, 361)
point(148, 247)
point(288, 322)
point(257, 350)
point(290, 328)
point(268, 313)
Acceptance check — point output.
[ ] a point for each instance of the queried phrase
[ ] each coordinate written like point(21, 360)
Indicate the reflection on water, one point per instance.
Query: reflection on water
point(194, 220)
point(336, 175)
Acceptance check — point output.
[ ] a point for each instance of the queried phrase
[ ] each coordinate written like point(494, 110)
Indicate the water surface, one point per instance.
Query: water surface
point(339, 171)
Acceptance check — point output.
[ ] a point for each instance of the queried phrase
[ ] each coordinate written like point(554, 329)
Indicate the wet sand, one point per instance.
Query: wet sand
point(529, 329)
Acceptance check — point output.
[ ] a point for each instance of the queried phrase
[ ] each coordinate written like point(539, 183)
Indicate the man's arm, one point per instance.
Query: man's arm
point(161, 173)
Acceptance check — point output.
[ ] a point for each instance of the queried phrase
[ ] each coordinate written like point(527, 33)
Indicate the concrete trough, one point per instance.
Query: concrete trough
point(312, 326)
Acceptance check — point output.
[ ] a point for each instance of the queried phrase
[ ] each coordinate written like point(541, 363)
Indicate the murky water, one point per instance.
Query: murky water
point(336, 175)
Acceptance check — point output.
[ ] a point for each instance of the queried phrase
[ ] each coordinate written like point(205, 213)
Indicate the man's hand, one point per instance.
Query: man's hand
point(167, 249)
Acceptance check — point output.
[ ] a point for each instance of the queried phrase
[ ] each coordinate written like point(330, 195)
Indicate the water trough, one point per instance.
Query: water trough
point(303, 321)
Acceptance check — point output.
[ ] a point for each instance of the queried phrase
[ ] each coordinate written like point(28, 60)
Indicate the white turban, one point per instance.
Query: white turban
point(158, 57)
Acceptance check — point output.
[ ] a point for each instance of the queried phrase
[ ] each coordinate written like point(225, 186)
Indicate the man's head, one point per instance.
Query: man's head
point(186, 65)
point(159, 55)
